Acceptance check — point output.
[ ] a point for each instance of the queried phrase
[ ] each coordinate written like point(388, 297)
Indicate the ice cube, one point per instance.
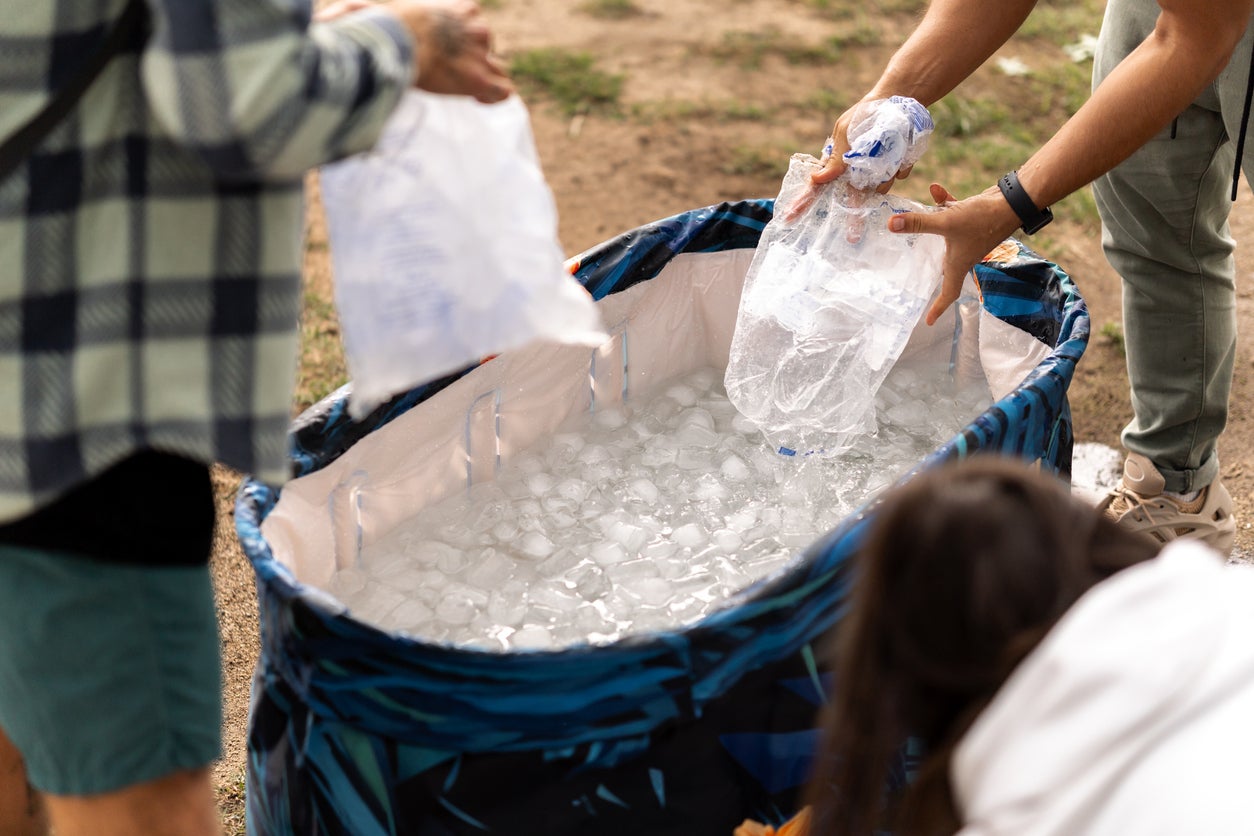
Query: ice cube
point(600, 472)
point(708, 487)
point(744, 426)
point(675, 566)
point(660, 453)
point(761, 567)
point(573, 440)
point(554, 504)
point(403, 575)
point(662, 409)
point(766, 462)
point(559, 455)
point(594, 454)
point(527, 463)
point(483, 514)
point(650, 592)
point(703, 380)
point(554, 598)
point(574, 490)
point(694, 435)
point(695, 417)
point(631, 570)
point(682, 395)
point(741, 520)
point(691, 535)
point(429, 551)
point(643, 490)
point(558, 563)
point(540, 483)
point(531, 637)
point(375, 602)
point(727, 540)
point(433, 579)
point(459, 605)
point(452, 562)
point(734, 469)
point(608, 552)
point(660, 548)
point(505, 531)
point(507, 606)
point(694, 458)
point(610, 419)
point(910, 414)
point(536, 545)
point(588, 580)
point(685, 610)
point(720, 410)
point(631, 537)
point(702, 585)
point(590, 622)
point(410, 615)
point(490, 570)
point(728, 572)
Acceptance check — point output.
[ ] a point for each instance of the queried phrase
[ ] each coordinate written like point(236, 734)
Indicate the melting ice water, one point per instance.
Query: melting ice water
point(640, 517)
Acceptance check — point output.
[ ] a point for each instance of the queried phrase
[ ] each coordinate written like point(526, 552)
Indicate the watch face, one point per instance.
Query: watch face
point(1043, 220)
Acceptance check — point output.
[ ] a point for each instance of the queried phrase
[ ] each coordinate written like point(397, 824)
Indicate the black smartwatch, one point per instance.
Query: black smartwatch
point(1032, 218)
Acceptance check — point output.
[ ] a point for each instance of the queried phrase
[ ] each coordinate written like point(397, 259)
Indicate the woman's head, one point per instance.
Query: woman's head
point(964, 569)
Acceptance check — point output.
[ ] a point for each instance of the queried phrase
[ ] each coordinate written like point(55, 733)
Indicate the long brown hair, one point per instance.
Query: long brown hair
point(964, 570)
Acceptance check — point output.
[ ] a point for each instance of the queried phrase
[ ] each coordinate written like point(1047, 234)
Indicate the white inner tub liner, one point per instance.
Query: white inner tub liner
point(680, 321)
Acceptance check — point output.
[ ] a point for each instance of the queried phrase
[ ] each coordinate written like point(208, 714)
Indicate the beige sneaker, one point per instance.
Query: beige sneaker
point(1138, 504)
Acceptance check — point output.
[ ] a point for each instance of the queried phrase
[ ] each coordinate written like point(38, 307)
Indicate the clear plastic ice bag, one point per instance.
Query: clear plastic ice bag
point(829, 301)
point(444, 246)
point(885, 136)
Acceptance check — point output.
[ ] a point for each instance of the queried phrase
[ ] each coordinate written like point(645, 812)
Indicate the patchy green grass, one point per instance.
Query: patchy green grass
point(748, 50)
point(975, 142)
point(829, 101)
point(611, 9)
point(322, 368)
point(572, 79)
point(682, 110)
point(844, 10)
point(1062, 21)
point(755, 161)
point(1078, 206)
point(1112, 333)
point(862, 33)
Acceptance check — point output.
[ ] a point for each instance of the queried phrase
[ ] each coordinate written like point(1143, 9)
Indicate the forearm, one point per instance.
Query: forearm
point(1190, 45)
point(954, 38)
point(260, 92)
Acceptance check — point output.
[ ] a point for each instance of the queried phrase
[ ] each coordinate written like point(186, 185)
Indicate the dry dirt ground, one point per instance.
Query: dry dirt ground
point(702, 120)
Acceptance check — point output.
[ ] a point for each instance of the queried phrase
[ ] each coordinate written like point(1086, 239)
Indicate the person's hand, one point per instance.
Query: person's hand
point(454, 47)
point(832, 164)
point(972, 228)
point(838, 145)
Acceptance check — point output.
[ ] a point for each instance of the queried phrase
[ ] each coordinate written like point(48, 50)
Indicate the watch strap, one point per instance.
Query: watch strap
point(1030, 216)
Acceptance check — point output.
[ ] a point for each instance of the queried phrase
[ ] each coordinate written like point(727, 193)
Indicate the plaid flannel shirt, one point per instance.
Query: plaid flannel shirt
point(150, 247)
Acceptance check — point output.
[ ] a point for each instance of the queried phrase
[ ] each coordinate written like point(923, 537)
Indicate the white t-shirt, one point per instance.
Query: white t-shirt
point(1135, 715)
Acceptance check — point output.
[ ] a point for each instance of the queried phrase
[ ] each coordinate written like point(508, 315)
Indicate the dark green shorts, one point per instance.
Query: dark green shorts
point(109, 673)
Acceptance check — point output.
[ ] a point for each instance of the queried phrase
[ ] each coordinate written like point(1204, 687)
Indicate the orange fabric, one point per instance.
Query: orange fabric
point(798, 825)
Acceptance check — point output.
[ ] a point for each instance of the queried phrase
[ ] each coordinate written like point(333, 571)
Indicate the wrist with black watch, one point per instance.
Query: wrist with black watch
point(1032, 218)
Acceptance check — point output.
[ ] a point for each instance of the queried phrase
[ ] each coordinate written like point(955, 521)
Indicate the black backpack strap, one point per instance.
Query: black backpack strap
point(20, 145)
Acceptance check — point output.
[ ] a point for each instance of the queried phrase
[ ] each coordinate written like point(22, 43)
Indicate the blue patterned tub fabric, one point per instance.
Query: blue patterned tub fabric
point(358, 731)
